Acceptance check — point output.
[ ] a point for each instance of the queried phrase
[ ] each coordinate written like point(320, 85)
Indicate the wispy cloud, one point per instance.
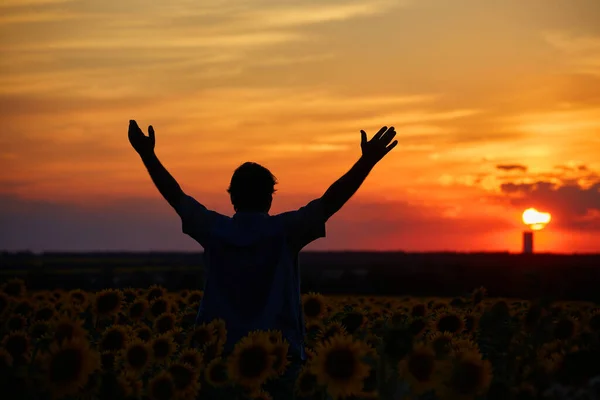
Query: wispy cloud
point(582, 53)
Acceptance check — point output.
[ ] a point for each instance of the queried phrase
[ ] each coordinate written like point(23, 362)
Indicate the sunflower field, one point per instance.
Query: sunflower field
point(144, 344)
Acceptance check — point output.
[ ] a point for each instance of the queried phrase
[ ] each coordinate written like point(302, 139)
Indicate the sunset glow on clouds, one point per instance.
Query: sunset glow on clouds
point(495, 103)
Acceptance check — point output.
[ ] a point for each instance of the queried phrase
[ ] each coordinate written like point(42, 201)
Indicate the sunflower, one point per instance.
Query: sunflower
point(313, 327)
point(220, 329)
point(216, 373)
point(137, 310)
point(280, 352)
point(192, 357)
point(15, 287)
point(187, 319)
point(130, 294)
point(114, 338)
point(417, 326)
point(185, 378)
point(78, 299)
point(24, 307)
point(261, 395)
point(353, 320)
point(154, 292)
point(306, 383)
point(108, 302)
point(17, 345)
point(39, 329)
point(68, 366)
point(201, 335)
point(44, 313)
point(178, 335)
point(313, 305)
point(164, 323)
point(161, 386)
point(213, 350)
point(16, 322)
point(66, 328)
point(565, 328)
point(448, 321)
point(329, 331)
point(470, 376)
point(136, 356)
point(144, 333)
point(418, 310)
point(4, 303)
point(441, 343)
point(251, 362)
point(419, 368)
point(593, 322)
point(471, 319)
point(162, 347)
point(194, 298)
point(159, 306)
point(108, 360)
point(464, 345)
point(6, 360)
point(339, 365)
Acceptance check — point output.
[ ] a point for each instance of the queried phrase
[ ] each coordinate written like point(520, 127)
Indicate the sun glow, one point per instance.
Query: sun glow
point(535, 219)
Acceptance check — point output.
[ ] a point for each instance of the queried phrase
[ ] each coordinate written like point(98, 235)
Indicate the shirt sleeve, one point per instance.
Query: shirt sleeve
point(304, 225)
point(196, 220)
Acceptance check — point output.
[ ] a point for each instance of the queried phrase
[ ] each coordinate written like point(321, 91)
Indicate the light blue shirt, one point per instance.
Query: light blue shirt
point(252, 279)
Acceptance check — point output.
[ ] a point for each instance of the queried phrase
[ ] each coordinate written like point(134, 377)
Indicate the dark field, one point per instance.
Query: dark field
point(379, 326)
point(567, 277)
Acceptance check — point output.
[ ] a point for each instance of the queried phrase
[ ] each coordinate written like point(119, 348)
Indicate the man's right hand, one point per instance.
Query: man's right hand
point(143, 144)
point(376, 148)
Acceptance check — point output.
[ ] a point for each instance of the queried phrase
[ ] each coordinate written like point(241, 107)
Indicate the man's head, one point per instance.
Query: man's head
point(251, 188)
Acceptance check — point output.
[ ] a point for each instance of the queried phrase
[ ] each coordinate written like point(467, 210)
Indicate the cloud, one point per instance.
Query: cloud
point(573, 202)
point(512, 167)
point(582, 53)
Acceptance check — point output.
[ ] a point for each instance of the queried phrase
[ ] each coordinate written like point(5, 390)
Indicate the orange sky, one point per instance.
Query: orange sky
point(496, 106)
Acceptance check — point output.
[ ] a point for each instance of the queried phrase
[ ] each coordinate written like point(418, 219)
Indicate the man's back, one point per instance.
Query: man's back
point(252, 277)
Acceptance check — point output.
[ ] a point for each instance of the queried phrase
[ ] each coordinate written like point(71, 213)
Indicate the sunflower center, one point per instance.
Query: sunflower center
point(107, 303)
point(312, 308)
point(136, 310)
point(113, 341)
point(420, 365)
point(161, 348)
point(137, 356)
point(158, 307)
point(66, 366)
point(340, 364)
point(450, 323)
point(253, 361)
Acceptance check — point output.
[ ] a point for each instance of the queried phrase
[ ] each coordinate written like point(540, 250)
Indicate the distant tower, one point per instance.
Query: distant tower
point(527, 242)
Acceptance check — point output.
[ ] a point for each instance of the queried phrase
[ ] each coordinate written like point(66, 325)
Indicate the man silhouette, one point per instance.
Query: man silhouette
point(251, 259)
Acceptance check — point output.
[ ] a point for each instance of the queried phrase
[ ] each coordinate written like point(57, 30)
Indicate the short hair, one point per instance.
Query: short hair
point(252, 187)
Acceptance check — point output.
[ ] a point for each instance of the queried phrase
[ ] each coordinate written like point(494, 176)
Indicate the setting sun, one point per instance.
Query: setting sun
point(536, 220)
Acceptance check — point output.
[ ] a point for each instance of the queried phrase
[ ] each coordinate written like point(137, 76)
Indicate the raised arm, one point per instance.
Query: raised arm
point(144, 145)
point(372, 152)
